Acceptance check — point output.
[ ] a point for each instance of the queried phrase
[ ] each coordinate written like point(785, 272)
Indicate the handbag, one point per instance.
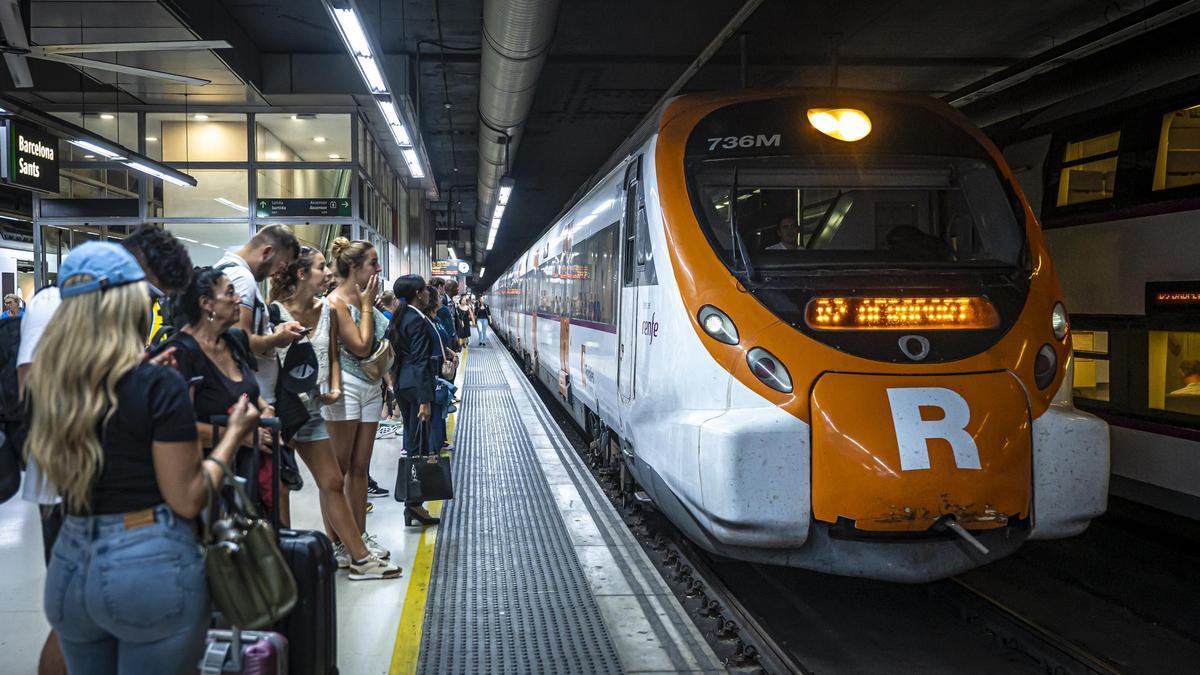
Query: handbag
point(448, 368)
point(379, 362)
point(421, 478)
point(248, 579)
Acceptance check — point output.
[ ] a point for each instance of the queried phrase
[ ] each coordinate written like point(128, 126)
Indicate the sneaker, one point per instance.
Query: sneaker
point(385, 431)
point(452, 409)
point(373, 568)
point(341, 555)
point(375, 548)
point(374, 491)
point(370, 507)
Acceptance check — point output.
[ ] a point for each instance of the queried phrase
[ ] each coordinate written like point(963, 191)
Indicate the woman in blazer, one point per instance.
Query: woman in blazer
point(411, 372)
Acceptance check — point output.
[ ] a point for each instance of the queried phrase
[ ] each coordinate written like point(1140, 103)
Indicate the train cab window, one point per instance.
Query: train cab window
point(805, 211)
point(1088, 170)
point(1174, 371)
point(1178, 160)
point(1092, 372)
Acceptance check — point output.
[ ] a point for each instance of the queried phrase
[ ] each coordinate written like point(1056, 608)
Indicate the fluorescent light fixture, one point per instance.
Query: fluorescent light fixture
point(152, 139)
point(210, 245)
point(453, 255)
point(413, 162)
point(355, 37)
point(318, 139)
point(151, 171)
point(107, 116)
point(200, 116)
point(506, 188)
point(232, 205)
point(370, 73)
point(335, 157)
point(89, 157)
point(498, 213)
point(190, 241)
point(400, 132)
point(272, 154)
point(482, 270)
point(92, 147)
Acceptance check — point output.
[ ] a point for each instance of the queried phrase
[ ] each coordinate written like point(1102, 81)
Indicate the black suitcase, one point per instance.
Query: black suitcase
point(311, 627)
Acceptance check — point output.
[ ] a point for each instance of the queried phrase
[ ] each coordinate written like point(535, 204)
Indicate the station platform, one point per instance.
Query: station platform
point(533, 570)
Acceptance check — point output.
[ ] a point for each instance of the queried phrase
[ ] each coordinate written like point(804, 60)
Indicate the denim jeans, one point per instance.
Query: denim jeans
point(482, 326)
point(128, 601)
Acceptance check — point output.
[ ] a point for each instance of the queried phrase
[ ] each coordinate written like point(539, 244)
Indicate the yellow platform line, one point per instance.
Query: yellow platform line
point(407, 649)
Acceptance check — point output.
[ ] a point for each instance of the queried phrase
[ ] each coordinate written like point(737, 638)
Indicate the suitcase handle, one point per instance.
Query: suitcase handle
point(274, 426)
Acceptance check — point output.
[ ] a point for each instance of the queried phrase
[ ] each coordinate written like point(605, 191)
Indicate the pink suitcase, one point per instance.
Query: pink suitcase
point(246, 652)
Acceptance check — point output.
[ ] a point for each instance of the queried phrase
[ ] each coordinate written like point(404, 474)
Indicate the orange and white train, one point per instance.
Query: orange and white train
point(825, 331)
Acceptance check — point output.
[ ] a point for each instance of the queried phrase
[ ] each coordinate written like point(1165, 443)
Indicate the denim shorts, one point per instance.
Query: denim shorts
point(129, 600)
point(314, 429)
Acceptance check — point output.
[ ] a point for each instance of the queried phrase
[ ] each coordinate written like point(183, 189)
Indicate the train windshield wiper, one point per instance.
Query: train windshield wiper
point(735, 234)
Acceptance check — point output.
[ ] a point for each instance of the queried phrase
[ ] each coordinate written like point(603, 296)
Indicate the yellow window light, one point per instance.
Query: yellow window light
point(844, 124)
point(963, 313)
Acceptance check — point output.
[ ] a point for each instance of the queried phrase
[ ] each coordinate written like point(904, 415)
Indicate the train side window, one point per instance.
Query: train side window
point(1093, 380)
point(1174, 371)
point(1178, 160)
point(1088, 170)
point(631, 256)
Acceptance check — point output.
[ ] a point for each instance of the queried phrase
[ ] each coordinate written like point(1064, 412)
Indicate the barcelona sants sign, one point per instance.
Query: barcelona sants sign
point(32, 161)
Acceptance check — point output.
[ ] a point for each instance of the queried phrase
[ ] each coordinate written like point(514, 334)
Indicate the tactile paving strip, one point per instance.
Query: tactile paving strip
point(507, 593)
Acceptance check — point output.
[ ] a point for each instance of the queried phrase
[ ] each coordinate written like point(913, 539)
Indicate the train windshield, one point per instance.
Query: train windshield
point(833, 211)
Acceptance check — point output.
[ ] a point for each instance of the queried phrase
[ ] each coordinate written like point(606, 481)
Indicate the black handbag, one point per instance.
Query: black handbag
point(423, 478)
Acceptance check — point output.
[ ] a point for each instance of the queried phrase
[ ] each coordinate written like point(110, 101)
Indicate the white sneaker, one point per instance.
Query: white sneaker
point(385, 432)
point(373, 568)
point(341, 555)
point(375, 548)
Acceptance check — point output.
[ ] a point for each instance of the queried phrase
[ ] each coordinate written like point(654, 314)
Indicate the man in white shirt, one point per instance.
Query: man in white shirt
point(267, 254)
point(789, 235)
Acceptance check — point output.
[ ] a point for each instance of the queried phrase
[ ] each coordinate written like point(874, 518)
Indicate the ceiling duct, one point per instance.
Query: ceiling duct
point(516, 39)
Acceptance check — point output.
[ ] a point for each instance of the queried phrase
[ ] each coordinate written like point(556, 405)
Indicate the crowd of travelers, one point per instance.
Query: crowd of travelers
point(146, 381)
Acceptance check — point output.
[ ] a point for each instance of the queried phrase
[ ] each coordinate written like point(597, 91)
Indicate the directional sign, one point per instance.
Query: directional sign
point(328, 207)
point(32, 157)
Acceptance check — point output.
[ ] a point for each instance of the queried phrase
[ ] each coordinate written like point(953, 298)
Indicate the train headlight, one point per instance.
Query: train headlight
point(1044, 366)
point(718, 325)
point(844, 124)
point(769, 369)
point(1058, 321)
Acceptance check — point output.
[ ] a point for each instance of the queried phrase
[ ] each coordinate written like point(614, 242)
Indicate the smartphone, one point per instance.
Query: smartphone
point(195, 381)
point(305, 331)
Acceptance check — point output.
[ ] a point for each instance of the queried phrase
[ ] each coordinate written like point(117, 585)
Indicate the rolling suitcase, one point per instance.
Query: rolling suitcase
point(311, 627)
point(245, 652)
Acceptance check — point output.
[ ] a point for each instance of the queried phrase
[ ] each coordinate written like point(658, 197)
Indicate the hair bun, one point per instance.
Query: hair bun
point(338, 247)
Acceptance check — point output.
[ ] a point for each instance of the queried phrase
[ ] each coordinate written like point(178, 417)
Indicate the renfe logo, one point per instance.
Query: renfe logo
point(912, 432)
point(650, 328)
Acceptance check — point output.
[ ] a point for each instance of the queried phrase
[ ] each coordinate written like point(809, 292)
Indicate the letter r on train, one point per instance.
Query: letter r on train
point(912, 432)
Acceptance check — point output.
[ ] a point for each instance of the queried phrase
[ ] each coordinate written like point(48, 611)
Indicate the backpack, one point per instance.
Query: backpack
point(13, 422)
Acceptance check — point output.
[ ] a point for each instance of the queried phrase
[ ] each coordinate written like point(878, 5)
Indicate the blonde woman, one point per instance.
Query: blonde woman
point(354, 419)
point(116, 436)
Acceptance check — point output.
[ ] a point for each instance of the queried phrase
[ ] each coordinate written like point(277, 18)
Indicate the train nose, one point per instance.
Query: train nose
point(898, 453)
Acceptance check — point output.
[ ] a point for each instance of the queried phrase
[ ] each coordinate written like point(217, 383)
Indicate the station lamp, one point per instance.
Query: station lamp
point(502, 196)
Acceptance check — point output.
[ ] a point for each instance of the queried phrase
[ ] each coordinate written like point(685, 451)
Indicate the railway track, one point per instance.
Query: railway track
point(764, 619)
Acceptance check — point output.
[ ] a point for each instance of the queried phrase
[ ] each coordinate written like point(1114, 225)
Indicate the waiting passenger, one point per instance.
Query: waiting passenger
point(295, 292)
point(13, 307)
point(116, 436)
point(354, 419)
point(168, 268)
point(439, 355)
point(412, 336)
point(483, 313)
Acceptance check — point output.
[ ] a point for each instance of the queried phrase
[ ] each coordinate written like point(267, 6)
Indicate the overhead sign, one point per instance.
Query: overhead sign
point(301, 208)
point(450, 268)
point(32, 157)
point(1172, 297)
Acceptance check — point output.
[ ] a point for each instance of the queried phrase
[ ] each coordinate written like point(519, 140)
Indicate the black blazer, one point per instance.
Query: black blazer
point(412, 374)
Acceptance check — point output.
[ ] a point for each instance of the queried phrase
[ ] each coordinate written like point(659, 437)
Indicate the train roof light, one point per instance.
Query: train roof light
point(844, 124)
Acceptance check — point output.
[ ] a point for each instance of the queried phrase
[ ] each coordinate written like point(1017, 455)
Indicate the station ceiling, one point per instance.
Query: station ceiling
point(609, 62)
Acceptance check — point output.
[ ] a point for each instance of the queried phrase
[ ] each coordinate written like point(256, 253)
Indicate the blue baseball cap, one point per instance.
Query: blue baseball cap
point(107, 264)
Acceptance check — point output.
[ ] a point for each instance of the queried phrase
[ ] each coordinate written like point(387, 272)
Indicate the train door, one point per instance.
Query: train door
point(635, 208)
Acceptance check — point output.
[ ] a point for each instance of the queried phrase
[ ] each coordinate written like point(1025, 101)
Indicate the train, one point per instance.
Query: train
point(817, 329)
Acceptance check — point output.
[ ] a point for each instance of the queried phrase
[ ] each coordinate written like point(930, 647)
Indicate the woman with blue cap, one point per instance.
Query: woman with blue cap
point(116, 435)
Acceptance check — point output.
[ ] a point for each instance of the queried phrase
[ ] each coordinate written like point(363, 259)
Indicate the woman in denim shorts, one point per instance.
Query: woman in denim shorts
point(295, 292)
point(116, 435)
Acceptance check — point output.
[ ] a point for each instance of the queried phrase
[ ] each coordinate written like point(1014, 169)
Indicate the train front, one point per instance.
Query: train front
point(865, 266)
